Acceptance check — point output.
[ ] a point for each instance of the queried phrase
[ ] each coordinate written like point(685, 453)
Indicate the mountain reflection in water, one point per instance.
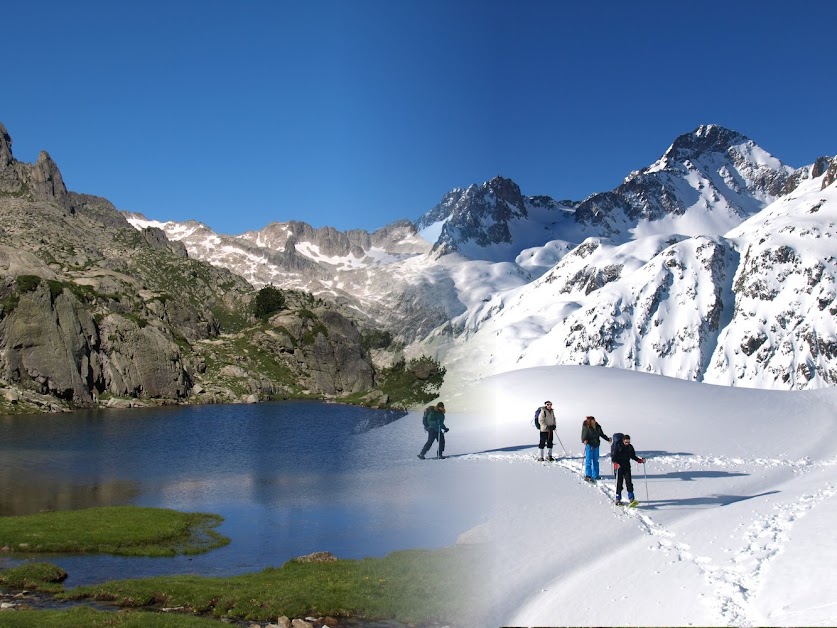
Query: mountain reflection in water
point(289, 478)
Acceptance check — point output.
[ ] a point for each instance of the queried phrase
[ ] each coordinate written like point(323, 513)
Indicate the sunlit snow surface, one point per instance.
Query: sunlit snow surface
point(735, 524)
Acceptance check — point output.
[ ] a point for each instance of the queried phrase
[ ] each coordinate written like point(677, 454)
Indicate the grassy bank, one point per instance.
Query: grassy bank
point(126, 530)
point(89, 618)
point(415, 586)
point(408, 586)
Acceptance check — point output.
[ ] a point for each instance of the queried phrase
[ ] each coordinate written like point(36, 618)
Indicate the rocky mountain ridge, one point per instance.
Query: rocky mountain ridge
point(752, 307)
point(646, 276)
point(96, 312)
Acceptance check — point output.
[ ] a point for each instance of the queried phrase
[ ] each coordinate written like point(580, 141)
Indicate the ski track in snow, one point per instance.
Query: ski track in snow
point(732, 585)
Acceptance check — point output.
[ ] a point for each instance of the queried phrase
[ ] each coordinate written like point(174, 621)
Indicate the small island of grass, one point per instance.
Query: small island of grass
point(411, 586)
point(124, 530)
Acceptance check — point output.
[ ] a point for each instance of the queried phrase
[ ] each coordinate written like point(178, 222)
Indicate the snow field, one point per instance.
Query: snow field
point(732, 528)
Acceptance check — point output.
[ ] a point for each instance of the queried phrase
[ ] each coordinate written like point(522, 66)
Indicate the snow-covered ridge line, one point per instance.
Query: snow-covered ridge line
point(712, 264)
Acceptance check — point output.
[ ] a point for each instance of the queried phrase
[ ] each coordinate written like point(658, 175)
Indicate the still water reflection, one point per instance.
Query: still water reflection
point(289, 478)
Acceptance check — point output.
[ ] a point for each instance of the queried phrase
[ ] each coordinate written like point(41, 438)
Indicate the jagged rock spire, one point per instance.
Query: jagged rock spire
point(46, 181)
point(41, 180)
point(6, 157)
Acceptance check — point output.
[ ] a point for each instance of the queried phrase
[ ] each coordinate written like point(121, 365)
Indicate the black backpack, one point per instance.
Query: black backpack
point(616, 444)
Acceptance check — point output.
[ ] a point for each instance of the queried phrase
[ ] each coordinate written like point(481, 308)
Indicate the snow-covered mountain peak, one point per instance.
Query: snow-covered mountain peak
point(715, 263)
point(711, 144)
point(707, 182)
point(491, 221)
point(707, 138)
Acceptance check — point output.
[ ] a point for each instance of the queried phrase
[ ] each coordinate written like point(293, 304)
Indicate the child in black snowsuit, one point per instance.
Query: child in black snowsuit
point(622, 463)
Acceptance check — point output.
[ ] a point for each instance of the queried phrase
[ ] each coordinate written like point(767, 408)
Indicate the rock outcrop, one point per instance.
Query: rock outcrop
point(93, 310)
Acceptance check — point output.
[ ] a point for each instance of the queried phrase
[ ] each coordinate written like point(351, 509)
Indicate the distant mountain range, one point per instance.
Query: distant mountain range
point(94, 312)
point(716, 263)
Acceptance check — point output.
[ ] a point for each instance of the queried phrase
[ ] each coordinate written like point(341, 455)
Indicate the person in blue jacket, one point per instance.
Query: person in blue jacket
point(434, 424)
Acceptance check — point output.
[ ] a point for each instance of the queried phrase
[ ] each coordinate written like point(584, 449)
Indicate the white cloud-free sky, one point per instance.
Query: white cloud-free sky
point(357, 114)
point(737, 500)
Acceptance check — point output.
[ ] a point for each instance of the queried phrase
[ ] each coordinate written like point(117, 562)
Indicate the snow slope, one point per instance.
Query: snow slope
point(753, 307)
point(716, 263)
point(734, 526)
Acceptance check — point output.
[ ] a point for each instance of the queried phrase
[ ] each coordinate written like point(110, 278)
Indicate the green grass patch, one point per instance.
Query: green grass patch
point(229, 320)
point(264, 362)
point(125, 530)
point(407, 586)
point(82, 617)
point(43, 576)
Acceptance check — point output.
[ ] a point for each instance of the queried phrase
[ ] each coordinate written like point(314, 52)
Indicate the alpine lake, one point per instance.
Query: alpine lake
point(289, 478)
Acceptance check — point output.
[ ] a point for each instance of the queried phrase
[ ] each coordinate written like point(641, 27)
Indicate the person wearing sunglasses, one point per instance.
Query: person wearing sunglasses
point(546, 422)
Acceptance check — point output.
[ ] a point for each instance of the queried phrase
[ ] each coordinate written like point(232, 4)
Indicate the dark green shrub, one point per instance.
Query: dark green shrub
point(55, 288)
point(268, 301)
point(27, 283)
point(412, 383)
point(377, 339)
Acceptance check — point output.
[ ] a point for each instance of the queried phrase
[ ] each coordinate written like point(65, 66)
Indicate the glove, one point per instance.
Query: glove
point(446, 429)
point(615, 465)
point(642, 460)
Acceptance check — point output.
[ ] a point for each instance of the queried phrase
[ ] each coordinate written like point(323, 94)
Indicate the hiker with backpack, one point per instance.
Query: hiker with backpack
point(545, 418)
point(621, 453)
point(591, 435)
point(434, 425)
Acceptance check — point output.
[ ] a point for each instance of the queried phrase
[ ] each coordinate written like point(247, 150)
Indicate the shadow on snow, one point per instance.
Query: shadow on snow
point(707, 501)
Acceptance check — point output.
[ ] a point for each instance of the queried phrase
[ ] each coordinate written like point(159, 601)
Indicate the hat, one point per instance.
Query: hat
point(440, 406)
point(626, 437)
point(547, 403)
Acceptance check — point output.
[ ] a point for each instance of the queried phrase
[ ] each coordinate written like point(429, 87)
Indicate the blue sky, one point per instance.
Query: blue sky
point(356, 114)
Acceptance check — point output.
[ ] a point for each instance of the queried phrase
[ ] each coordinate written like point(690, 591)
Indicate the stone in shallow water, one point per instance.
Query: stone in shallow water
point(316, 557)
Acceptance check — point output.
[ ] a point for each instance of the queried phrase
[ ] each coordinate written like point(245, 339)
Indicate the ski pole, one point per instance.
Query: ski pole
point(555, 432)
point(439, 443)
point(646, 480)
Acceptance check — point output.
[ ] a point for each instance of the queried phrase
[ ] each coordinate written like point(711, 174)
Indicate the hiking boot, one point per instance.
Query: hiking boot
point(587, 478)
point(421, 456)
point(550, 459)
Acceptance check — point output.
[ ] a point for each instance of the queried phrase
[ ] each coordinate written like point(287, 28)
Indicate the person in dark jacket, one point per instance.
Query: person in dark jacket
point(591, 435)
point(434, 423)
point(622, 463)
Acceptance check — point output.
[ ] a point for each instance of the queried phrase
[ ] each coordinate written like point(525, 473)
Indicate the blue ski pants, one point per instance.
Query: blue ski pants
point(591, 462)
